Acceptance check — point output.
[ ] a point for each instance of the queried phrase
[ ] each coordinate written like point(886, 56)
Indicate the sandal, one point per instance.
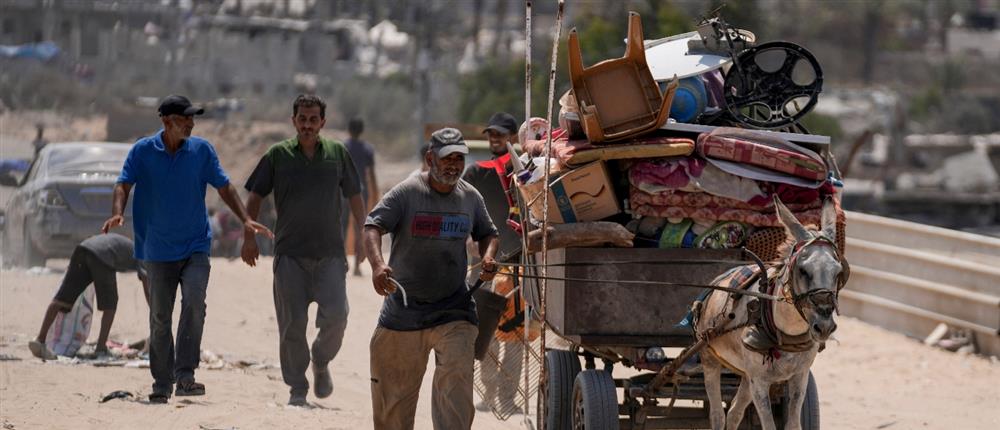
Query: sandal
point(38, 349)
point(159, 398)
point(188, 387)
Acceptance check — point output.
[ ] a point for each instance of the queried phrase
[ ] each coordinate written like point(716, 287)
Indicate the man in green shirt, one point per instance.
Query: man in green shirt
point(310, 177)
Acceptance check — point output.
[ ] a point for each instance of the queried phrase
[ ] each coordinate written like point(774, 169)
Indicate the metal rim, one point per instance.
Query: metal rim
point(763, 98)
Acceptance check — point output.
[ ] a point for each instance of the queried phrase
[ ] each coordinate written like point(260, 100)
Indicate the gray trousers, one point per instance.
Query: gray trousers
point(299, 281)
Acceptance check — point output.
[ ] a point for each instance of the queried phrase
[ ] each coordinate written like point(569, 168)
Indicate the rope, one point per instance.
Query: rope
point(660, 283)
point(406, 302)
point(523, 210)
point(636, 262)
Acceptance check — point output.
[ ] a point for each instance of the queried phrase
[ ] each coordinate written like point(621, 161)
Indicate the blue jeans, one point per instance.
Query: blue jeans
point(164, 276)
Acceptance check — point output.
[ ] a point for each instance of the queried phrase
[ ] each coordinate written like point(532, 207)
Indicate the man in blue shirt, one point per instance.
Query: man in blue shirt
point(170, 171)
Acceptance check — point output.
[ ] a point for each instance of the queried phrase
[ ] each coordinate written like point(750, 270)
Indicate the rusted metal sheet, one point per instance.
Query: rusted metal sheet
point(611, 313)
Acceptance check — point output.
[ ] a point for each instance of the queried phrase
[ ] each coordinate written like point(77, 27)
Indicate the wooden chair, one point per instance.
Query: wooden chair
point(618, 98)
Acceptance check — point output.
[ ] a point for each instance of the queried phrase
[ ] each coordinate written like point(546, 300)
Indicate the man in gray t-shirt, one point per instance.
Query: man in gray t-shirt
point(430, 217)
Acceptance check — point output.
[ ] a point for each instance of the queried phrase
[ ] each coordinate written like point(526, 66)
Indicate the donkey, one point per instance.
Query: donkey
point(770, 342)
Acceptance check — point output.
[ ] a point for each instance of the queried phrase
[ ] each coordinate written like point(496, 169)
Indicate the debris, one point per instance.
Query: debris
point(960, 341)
point(8, 357)
point(138, 364)
point(120, 394)
point(936, 335)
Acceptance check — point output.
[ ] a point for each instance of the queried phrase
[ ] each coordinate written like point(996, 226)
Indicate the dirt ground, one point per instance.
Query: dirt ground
point(871, 379)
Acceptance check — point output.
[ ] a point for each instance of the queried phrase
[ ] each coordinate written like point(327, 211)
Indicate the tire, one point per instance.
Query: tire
point(562, 368)
point(30, 255)
point(810, 406)
point(595, 402)
point(6, 257)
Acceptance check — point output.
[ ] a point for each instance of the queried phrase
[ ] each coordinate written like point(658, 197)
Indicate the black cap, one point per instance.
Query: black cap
point(502, 122)
point(178, 105)
point(448, 141)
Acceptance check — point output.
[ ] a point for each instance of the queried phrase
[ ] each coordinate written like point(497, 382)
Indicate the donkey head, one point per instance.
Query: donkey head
point(814, 270)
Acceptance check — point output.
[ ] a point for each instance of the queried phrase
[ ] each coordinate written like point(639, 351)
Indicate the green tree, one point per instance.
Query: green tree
point(671, 20)
point(499, 86)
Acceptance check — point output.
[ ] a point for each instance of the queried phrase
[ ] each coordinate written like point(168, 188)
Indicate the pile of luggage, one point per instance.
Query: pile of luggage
point(640, 160)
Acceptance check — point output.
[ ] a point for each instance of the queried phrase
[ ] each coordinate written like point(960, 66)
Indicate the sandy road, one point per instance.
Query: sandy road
point(872, 379)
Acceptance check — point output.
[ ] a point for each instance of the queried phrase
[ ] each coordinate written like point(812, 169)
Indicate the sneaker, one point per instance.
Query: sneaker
point(322, 382)
point(297, 400)
point(188, 387)
point(38, 349)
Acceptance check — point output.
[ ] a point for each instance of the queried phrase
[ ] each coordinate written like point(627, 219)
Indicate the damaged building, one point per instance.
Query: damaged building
point(194, 47)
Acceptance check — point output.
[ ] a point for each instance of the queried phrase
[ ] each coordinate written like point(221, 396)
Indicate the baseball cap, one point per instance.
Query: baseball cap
point(178, 105)
point(447, 141)
point(502, 122)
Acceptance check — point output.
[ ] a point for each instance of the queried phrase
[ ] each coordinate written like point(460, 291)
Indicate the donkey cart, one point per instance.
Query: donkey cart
point(623, 306)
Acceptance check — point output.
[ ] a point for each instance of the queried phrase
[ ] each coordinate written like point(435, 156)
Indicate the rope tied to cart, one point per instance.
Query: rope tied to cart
point(740, 290)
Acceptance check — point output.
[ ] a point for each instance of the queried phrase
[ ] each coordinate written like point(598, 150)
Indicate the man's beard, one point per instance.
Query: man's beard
point(438, 174)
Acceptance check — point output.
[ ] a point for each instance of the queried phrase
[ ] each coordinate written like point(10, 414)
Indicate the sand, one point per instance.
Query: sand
point(871, 379)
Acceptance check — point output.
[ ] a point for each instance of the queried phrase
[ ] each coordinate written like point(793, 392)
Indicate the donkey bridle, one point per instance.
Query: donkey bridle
point(816, 297)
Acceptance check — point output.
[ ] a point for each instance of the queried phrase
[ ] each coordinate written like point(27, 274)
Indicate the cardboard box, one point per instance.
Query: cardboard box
point(583, 194)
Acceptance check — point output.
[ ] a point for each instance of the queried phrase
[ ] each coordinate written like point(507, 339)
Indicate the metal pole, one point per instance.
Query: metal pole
point(524, 216)
point(542, 376)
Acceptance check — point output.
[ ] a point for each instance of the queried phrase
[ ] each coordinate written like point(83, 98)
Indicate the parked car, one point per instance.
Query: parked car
point(63, 199)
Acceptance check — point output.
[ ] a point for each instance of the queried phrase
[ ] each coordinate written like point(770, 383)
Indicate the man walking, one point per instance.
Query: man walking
point(94, 261)
point(170, 171)
point(363, 155)
point(430, 216)
point(310, 177)
point(492, 179)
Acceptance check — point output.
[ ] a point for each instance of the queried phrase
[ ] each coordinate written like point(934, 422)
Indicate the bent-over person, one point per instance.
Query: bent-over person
point(96, 260)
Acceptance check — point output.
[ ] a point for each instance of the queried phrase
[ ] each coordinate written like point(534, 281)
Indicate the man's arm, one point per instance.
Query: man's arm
point(381, 272)
point(358, 210)
point(232, 199)
point(488, 249)
point(250, 252)
point(120, 200)
point(373, 193)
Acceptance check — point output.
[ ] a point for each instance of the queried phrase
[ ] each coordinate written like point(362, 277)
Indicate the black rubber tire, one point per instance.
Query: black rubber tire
point(7, 257)
point(562, 368)
point(810, 406)
point(595, 402)
point(31, 256)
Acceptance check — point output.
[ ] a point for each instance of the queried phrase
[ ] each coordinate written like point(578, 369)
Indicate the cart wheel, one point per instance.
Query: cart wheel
point(595, 402)
point(562, 368)
point(810, 406)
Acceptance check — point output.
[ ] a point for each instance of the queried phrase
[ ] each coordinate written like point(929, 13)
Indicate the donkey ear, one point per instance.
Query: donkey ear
point(792, 225)
point(829, 219)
